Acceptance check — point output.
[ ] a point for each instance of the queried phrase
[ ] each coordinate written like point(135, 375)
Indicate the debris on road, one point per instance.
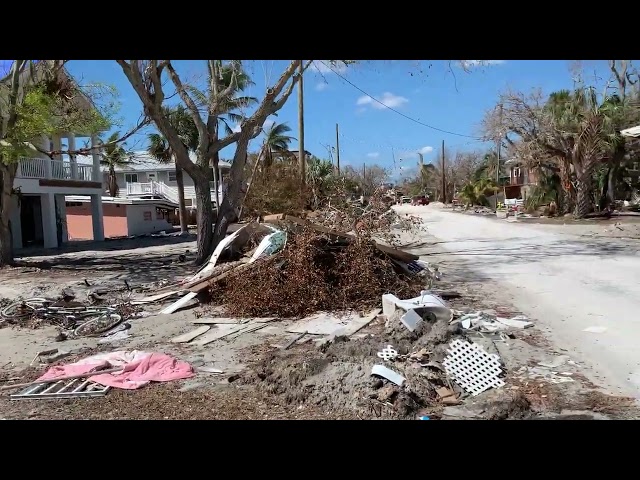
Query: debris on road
point(393, 377)
point(472, 367)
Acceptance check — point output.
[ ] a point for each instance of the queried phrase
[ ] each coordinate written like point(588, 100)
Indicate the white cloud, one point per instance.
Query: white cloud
point(425, 150)
point(321, 86)
point(468, 64)
point(387, 98)
point(373, 155)
point(325, 66)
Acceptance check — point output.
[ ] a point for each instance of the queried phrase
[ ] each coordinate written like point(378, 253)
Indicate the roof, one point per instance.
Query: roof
point(631, 132)
point(143, 162)
point(124, 201)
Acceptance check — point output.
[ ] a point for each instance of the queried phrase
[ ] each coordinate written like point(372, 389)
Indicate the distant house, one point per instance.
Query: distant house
point(144, 176)
point(520, 180)
point(292, 155)
point(122, 217)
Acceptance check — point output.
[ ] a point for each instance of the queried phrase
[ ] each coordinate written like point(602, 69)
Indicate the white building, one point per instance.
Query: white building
point(144, 176)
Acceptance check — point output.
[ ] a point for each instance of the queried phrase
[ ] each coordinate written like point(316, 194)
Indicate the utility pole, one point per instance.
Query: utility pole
point(444, 181)
point(338, 148)
point(301, 154)
point(499, 149)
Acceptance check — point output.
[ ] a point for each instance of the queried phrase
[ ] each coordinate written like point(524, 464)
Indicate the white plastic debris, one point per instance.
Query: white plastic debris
point(388, 353)
point(393, 377)
point(472, 367)
point(411, 320)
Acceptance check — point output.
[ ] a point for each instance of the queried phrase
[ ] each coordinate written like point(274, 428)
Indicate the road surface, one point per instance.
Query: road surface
point(564, 282)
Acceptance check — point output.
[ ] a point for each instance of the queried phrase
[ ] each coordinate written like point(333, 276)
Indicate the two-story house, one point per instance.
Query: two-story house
point(520, 180)
point(144, 176)
point(42, 183)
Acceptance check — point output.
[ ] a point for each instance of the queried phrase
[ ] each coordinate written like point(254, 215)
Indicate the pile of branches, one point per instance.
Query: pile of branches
point(313, 273)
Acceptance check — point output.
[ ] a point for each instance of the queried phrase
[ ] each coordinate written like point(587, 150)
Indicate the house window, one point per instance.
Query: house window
point(147, 216)
point(516, 172)
point(172, 176)
point(131, 177)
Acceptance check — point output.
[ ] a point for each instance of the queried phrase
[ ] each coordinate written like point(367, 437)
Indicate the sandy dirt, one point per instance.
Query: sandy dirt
point(262, 381)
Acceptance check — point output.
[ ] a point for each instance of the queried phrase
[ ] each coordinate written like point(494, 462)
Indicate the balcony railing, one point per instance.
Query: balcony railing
point(517, 180)
point(54, 169)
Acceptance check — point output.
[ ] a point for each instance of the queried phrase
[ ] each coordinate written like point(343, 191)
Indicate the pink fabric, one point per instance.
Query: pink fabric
point(145, 368)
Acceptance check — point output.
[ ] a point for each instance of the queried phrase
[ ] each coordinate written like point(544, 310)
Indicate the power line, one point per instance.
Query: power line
point(393, 109)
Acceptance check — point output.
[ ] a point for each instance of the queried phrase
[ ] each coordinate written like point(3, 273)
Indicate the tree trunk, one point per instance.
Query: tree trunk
point(182, 208)
point(113, 182)
point(584, 197)
point(611, 185)
point(234, 197)
point(7, 174)
point(204, 212)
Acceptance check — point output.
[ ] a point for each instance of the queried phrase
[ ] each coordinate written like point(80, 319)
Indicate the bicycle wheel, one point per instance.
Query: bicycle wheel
point(22, 309)
point(97, 326)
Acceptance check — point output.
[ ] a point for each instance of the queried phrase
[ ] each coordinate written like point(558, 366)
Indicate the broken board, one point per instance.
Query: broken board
point(187, 337)
point(321, 323)
point(180, 303)
point(219, 332)
point(357, 324)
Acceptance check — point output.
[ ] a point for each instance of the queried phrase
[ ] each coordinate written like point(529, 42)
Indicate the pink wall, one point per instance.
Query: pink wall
point(80, 225)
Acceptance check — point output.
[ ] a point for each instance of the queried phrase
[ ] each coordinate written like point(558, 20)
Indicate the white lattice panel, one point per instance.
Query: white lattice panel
point(472, 367)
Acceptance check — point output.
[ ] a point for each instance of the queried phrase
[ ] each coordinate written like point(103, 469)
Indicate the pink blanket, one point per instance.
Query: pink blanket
point(139, 369)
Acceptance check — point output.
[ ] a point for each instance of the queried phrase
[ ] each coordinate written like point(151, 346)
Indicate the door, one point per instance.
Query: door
point(152, 177)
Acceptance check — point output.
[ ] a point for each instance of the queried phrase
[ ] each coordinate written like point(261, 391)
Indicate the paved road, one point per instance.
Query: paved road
point(564, 282)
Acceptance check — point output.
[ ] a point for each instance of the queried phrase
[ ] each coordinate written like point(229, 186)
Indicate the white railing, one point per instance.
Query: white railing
point(161, 189)
point(55, 169)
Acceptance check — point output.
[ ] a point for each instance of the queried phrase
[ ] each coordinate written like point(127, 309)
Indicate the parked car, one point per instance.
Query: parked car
point(405, 200)
point(420, 200)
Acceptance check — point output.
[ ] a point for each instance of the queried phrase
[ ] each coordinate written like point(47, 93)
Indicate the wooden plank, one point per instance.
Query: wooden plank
point(357, 324)
point(180, 303)
point(209, 282)
point(187, 337)
point(219, 332)
point(321, 324)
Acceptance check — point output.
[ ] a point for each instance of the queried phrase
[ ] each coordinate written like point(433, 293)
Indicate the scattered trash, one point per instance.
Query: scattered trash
point(393, 377)
point(62, 389)
point(537, 373)
point(293, 341)
point(388, 353)
point(411, 320)
point(472, 367)
point(595, 329)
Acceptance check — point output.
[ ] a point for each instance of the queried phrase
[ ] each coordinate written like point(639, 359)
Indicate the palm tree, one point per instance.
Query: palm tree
point(583, 134)
point(276, 141)
point(159, 149)
point(227, 107)
point(113, 155)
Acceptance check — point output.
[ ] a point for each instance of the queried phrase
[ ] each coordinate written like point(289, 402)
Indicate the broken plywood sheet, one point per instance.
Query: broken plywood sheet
point(187, 337)
point(220, 331)
point(357, 324)
point(322, 323)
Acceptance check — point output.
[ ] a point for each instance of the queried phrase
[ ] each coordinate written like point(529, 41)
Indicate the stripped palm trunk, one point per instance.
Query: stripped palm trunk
point(568, 192)
point(584, 196)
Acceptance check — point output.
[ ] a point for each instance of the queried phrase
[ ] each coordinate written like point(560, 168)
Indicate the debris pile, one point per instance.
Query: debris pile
point(416, 360)
point(315, 273)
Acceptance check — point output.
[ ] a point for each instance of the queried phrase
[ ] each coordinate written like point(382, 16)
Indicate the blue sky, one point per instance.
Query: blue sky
point(437, 93)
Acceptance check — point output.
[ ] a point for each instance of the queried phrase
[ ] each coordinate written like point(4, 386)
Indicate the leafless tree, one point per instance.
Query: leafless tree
point(146, 77)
